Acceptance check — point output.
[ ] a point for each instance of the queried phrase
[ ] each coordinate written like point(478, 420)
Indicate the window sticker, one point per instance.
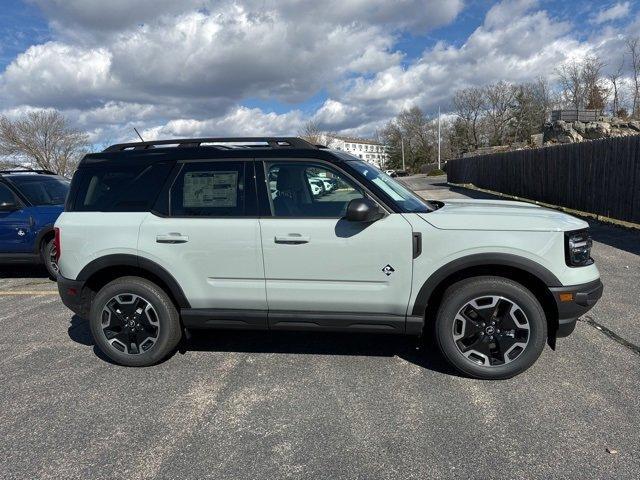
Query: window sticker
point(210, 189)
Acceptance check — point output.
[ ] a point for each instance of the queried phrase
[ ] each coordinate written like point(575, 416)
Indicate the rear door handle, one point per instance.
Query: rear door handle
point(292, 239)
point(172, 237)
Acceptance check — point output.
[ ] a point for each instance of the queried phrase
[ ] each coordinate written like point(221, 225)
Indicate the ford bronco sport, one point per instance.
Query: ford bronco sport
point(30, 202)
point(159, 238)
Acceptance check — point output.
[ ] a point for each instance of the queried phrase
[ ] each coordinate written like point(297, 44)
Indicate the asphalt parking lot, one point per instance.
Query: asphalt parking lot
point(260, 405)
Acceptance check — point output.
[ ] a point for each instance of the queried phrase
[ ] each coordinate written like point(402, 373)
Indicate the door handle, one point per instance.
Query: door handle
point(172, 237)
point(292, 239)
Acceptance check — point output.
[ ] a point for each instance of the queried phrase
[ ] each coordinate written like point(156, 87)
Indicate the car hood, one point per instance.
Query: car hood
point(500, 215)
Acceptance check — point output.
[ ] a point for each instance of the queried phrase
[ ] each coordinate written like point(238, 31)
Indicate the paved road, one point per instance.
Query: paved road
point(259, 405)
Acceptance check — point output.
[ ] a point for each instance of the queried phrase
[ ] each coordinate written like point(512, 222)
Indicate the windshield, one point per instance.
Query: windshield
point(408, 201)
point(42, 189)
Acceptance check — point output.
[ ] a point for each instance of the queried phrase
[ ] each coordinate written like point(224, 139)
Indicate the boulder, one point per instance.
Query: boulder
point(634, 125)
point(595, 130)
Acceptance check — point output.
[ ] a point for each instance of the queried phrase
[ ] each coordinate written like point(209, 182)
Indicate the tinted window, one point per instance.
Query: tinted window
point(6, 195)
point(112, 187)
point(209, 189)
point(300, 189)
point(42, 189)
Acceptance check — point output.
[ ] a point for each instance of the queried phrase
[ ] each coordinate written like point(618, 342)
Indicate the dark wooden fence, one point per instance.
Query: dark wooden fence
point(600, 177)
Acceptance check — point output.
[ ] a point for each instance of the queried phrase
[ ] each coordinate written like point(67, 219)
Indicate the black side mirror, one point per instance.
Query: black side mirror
point(8, 206)
point(363, 210)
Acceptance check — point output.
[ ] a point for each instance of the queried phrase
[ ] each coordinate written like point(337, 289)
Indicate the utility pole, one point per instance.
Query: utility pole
point(402, 143)
point(439, 138)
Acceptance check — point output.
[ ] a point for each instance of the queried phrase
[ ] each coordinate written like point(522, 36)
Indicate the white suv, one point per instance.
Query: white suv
point(160, 237)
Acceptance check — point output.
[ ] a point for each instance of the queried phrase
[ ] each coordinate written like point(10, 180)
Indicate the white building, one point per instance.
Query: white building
point(368, 150)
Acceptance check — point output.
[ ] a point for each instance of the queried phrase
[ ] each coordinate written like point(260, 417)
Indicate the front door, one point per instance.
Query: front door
point(15, 224)
point(209, 240)
point(322, 270)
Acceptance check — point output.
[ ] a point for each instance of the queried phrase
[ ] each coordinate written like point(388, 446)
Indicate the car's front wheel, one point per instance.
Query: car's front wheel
point(134, 322)
point(490, 327)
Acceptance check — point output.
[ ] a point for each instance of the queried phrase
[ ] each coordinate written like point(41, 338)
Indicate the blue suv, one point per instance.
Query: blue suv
point(30, 202)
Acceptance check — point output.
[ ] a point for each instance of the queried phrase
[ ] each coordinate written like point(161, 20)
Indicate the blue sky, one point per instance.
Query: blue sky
point(205, 67)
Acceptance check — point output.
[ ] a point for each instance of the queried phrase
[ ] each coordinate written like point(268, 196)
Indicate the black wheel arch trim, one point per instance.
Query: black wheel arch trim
point(142, 263)
point(479, 260)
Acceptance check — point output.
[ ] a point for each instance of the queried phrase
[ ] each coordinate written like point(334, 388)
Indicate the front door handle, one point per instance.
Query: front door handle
point(172, 237)
point(292, 239)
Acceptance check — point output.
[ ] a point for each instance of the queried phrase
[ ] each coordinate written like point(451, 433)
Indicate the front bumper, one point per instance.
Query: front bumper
point(574, 301)
point(72, 295)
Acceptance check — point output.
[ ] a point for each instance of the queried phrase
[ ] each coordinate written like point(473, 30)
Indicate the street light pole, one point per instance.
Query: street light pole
point(402, 143)
point(439, 138)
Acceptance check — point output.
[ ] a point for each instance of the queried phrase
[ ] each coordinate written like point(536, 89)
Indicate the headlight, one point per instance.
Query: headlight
point(578, 248)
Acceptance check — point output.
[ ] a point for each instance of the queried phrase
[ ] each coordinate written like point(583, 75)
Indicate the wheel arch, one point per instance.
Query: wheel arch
point(43, 236)
point(530, 274)
point(102, 270)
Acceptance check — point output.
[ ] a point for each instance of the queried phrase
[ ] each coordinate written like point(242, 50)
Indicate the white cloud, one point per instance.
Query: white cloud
point(241, 121)
point(615, 12)
point(185, 68)
point(58, 75)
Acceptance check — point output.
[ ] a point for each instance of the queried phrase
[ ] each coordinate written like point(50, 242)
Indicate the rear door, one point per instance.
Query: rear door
point(324, 271)
point(209, 239)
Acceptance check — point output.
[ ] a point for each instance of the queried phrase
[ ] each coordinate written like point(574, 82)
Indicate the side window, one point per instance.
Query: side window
point(209, 189)
point(7, 196)
point(117, 187)
point(299, 189)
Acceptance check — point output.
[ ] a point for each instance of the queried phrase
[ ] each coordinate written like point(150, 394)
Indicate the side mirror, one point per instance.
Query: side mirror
point(363, 210)
point(9, 206)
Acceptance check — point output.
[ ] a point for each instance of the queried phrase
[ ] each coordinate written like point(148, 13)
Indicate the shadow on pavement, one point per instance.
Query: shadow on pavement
point(409, 349)
point(80, 332)
point(23, 271)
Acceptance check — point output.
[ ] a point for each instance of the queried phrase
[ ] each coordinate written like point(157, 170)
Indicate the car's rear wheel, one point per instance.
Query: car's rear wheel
point(48, 256)
point(490, 327)
point(134, 322)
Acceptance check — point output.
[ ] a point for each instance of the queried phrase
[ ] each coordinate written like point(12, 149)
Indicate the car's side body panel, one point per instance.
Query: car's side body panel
point(341, 266)
point(87, 236)
point(220, 263)
point(540, 253)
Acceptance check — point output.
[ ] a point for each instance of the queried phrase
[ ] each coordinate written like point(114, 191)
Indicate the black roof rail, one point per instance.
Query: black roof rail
point(240, 142)
point(29, 170)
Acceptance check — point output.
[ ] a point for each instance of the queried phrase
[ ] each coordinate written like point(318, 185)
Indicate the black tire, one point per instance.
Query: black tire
point(168, 333)
point(47, 255)
point(495, 365)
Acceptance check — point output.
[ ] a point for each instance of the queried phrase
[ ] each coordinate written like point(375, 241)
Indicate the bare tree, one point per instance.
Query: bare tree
point(311, 132)
point(469, 104)
point(594, 90)
point(44, 139)
point(499, 100)
point(570, 77)
point(615, 78)
point(633, 47)
point(414, 131)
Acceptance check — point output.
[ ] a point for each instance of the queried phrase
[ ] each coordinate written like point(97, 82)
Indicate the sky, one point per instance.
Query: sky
point(265, 67)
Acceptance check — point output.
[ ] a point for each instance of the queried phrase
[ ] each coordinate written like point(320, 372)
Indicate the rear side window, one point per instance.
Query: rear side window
point(113, 187)
point(209, 189)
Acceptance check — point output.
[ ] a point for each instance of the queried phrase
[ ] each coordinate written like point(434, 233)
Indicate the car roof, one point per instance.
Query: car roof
point(214, 148)
point(26, 172)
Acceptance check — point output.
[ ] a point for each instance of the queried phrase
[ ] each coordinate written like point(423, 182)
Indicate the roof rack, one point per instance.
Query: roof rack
point(237, 143)
point(29, 170)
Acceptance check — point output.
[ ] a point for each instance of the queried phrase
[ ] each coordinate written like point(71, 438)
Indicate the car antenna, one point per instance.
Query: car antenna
point(138, 133)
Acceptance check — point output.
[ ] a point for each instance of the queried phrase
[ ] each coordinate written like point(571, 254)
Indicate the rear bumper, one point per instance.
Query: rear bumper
point(574, 301)
point(72, 293)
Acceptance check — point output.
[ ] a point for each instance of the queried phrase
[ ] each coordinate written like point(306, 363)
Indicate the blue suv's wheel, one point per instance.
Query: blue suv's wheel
point(49, 260)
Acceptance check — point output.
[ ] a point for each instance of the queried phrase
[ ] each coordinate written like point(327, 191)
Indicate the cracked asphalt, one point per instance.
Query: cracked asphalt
point(293, 405)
